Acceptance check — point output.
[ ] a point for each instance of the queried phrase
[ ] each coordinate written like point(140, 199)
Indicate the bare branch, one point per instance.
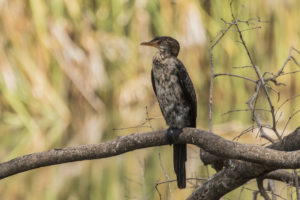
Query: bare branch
point(292, 72)
point(255, 192)
point(289, 119)
point(222, 147)
point(166, 175)
point(297, 184)
point(289, 57)
point(212, 74)
point(295, 61)
point(252, 128)
point(235, 75)
point(244, 110)
point(271, 188)
point(230, 173)
point(262, 189)
point(283, 176)
point(256, 116)
point(234, 173)
point(241, 191)
point(141, 125)
point(242, 67)
point(287, 100)
point(174, 180)
point(261, 79)
point(249, 29)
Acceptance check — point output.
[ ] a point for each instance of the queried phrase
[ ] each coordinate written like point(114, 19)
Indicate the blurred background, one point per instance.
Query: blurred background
point(73, 72)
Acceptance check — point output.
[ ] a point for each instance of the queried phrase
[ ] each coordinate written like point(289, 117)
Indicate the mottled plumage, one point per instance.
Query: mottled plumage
point(176, 96)
point(174, 91)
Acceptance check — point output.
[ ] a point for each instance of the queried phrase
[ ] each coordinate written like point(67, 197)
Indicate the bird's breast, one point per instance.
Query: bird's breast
point(170, 94)
point(166, 81)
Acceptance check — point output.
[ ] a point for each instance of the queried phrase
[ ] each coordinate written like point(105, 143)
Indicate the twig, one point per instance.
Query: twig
point(241, 191)
point(157, 190)
point(271, 188)
point(235, 75)
point(141, 125)
point(173, 180)
point(289, 57)
point(148, 118)
point(244, 110)
point(207, 171)
point(263, 84)
point(212, 74)
point(256, 116)
point(248, 22)
point(276, 92)
point(287, 100)
point(255, 194)
point(249, 29)
point(287, 73)
point(142, 166)
point(296, 184)
point(255, 191)
point(166, 175)
point(242, 67)
point(289, 119)
point(250, 129)
point(295, 61)
point(261, 188)
point(169, 181)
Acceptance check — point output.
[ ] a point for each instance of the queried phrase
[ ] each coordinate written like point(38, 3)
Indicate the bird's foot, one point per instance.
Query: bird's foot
point(173, 134)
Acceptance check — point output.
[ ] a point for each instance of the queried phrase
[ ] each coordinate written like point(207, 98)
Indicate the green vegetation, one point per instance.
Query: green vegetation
point(72, 72)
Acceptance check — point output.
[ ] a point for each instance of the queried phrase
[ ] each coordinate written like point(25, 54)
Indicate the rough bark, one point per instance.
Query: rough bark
point(234, 173)
point(241, 162)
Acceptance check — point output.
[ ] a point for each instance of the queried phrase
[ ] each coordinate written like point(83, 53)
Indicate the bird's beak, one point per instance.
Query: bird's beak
point(151, 43)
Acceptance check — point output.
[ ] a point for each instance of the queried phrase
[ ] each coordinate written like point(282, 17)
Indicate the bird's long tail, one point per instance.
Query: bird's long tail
point(179, 156)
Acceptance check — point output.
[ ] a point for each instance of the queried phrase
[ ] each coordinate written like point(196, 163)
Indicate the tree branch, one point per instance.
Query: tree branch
point(222, 147)
point(83, 152)
point(261, 188)
point(283, 176)
point(234, 173)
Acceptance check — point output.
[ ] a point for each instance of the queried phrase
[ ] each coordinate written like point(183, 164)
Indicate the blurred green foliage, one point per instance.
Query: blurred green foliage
point(72, 72)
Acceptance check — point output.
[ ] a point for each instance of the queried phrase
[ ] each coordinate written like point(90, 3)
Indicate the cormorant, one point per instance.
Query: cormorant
point(176, 97)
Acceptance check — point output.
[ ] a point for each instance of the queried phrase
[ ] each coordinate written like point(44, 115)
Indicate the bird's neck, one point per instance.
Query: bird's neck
point(160, 59)
point(165, 53)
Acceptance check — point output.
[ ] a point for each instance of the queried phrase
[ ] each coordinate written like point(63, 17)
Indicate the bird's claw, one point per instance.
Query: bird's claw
point(173, 134)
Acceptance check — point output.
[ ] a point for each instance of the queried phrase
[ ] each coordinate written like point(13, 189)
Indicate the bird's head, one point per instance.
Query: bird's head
point(165, 44)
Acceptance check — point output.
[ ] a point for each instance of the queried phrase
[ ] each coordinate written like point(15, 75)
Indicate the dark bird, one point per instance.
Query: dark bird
point(176, 97)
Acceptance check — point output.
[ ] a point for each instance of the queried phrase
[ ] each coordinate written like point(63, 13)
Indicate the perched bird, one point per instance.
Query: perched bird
point(176, 97)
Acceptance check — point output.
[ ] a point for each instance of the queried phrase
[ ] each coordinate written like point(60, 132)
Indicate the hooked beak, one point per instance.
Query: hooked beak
point(151, 43)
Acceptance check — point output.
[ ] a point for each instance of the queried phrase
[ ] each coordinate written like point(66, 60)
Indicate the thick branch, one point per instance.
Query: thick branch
point(204, 139)
point(283, 176)
point(83, 152)
point(234, 173)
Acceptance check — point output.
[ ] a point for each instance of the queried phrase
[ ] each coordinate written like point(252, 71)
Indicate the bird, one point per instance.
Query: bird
point(176, 96)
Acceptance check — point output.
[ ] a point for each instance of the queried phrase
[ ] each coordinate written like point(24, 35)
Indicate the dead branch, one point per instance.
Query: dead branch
point(261, 188)
point(212, 73)
point(283, 176)
point(222, 148)
point(234, 173)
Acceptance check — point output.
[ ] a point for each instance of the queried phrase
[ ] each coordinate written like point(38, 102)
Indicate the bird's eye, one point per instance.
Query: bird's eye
point(159, 42)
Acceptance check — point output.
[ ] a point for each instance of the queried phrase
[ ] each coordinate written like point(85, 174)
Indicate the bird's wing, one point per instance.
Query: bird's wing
point(153, 82)
point(188, 90)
